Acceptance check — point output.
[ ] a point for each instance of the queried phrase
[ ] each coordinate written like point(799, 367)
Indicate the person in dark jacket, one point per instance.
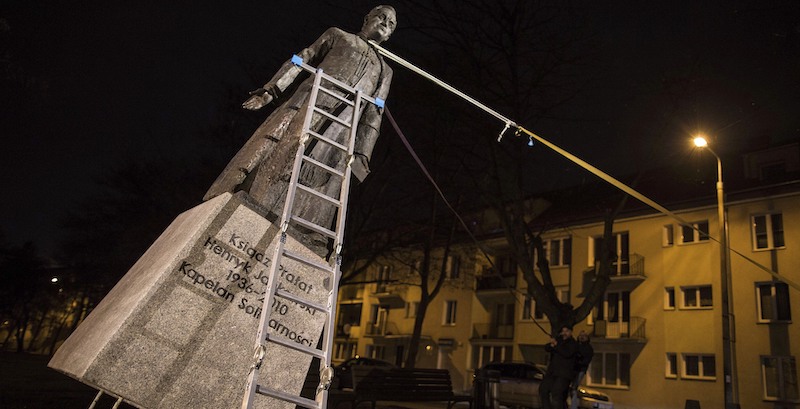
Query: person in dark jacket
point(584, 358)
point(560, 371)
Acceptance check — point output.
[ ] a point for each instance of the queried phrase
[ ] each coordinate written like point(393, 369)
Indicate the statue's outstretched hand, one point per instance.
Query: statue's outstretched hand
point(258, 99)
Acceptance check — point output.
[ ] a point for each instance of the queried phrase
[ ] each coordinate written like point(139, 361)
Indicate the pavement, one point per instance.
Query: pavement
point(418, 405)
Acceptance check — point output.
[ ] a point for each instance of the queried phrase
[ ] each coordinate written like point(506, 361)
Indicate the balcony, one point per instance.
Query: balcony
point(493, 331)
point(490, 282)
point(626, 274)
point(632, 330)
point(381, 329)
point(388, 295)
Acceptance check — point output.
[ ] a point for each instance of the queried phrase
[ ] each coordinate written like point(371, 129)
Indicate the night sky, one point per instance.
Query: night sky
point(115, 83)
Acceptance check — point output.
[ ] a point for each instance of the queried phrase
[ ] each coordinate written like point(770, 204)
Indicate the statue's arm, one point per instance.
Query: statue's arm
point(288, 72)
point(369, 129)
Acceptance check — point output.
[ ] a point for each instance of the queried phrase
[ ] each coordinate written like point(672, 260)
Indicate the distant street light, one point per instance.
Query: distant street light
point(728, 329)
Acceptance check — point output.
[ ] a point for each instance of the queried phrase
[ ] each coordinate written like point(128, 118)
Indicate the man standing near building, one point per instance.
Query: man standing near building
point(582, 361)
point(560, 371)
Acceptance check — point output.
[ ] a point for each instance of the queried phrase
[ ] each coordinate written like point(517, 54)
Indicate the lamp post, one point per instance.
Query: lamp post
point(728, 329)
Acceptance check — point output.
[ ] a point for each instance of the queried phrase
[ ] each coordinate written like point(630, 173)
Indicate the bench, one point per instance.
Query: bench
point(374, 384)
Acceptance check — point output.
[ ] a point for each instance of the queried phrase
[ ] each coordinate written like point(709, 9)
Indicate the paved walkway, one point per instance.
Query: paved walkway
point(418, 405)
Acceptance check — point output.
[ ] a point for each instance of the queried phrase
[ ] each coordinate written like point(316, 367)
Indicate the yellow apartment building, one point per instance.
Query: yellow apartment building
point(657, 334)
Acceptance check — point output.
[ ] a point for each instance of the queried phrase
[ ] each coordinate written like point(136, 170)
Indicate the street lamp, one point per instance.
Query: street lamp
point(728, 329)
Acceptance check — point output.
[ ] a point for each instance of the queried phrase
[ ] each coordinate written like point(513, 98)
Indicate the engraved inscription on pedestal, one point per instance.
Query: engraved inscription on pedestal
point(178, 331)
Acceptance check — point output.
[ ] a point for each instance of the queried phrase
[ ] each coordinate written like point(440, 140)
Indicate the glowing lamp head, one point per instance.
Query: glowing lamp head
point(700, 142)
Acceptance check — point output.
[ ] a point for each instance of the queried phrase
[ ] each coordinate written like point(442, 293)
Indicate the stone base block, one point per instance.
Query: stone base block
point(179, 329)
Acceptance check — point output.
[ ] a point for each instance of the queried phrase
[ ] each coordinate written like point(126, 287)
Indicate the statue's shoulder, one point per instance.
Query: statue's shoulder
point(337, 32)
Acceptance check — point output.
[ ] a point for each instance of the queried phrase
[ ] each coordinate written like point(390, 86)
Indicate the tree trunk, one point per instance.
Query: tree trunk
point(413, 344)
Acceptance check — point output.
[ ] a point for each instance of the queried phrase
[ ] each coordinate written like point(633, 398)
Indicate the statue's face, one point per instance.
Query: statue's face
point(379, 25)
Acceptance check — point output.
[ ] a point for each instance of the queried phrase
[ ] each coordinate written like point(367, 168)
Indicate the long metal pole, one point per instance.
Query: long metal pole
point(728, 329)
point(520, 130)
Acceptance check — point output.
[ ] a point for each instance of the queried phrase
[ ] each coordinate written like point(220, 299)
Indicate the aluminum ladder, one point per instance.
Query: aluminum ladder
point(354, 99)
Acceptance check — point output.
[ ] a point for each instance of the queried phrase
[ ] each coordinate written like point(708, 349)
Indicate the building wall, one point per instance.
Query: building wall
point(676, 330)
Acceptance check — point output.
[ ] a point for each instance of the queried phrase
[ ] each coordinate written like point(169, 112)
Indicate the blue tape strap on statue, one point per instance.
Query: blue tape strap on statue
point(379, 102)
point(296, 60)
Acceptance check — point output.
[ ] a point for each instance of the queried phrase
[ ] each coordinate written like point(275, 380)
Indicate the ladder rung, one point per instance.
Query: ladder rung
point(323, 166)
point(312, 263)
point(284, 396)
point(292, 297)
point(312, 191)
point(288, 343)
point(311, 226)
point(328, 141)
point(337, 96)
point(333, 117)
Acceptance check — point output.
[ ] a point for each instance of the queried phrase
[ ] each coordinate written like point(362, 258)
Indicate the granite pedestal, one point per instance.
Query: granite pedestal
point(178, 330)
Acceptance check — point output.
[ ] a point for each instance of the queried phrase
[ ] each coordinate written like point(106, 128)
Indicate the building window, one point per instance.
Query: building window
point(694, 232)
point(411, 309)
point(345, 349)
point(610, 369)
point(672, 365)
point(502, 325)
point(615, 310)
point(506, 266)
point(669, 298)
point(696, 297)
point(483, 354)
point(699, 366)
point(375, 351)
point(768, 231)
point(620, 256)
point(349, 316)
point(772, 299)
point(453, 267)
point(383, 279)
point(779, 378)
point(558, 251)
point(449, 312)
point(668, 235)
point(527, 308)
point(562, 293)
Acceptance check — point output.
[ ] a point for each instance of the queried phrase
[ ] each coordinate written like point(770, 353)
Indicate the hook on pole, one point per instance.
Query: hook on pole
point(509, 124)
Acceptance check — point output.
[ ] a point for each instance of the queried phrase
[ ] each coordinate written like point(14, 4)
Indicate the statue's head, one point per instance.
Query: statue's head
point(379, 24)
